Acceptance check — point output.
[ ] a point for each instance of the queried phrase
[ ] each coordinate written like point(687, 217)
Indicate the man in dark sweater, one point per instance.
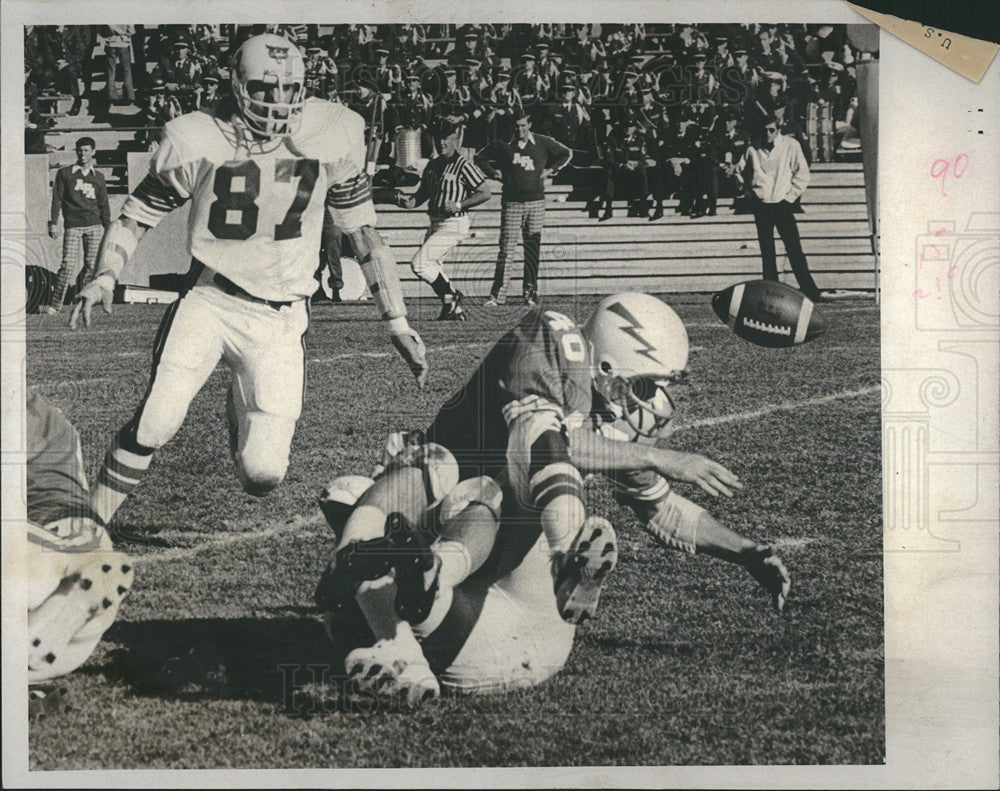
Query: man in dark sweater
point(81, 196)
point(523, 165)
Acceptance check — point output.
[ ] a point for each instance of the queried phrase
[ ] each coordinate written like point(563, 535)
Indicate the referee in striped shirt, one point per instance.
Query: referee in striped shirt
point(451, 185)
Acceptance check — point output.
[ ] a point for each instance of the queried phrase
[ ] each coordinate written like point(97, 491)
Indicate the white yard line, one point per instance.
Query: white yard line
point(786, 406)
point(303, 522)
point(792, 543)
point(182, 553)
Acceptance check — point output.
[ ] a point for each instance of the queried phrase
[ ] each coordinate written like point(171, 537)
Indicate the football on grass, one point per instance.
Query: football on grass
point(768, 313)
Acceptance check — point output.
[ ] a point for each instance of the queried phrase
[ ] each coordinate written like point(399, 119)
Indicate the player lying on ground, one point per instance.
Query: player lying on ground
point(564, 393)
point(458, 592)
point(74, 580)
point(259, 169)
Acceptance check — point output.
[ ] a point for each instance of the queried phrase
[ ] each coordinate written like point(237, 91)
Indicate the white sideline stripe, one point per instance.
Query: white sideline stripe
point(792, 542)
point(378, 355)
point(182, 553)
point(319, 360)
point(301, 522)
point(316, 360)
point(783, 407)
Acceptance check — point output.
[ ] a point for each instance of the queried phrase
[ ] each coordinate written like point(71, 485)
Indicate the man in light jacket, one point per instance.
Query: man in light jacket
point(777, 173)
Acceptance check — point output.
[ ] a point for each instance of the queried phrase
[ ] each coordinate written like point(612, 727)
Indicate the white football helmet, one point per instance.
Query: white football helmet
point(640, 348)
point(268, 75)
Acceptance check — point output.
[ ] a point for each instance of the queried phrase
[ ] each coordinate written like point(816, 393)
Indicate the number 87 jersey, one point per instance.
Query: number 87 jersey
point(257, 205)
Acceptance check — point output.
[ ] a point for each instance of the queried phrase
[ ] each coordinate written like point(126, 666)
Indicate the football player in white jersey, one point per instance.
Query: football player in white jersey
point(259, 169)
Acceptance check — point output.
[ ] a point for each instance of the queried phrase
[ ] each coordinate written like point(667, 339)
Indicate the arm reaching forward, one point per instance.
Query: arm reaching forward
point(117, 248)
point(379, 268)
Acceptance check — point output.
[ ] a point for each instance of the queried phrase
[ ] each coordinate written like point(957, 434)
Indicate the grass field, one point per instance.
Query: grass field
point(684, 664)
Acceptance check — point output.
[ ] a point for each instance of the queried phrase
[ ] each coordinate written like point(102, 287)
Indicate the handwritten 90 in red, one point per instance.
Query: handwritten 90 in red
point(943, 167)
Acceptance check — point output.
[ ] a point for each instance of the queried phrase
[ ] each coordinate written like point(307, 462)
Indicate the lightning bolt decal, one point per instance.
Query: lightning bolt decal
point(645, 347)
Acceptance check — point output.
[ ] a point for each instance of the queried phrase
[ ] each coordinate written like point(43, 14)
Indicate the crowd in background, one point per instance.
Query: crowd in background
point(664, 109)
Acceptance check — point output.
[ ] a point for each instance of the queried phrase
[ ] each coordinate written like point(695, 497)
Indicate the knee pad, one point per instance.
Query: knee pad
point(263, 460)
point(337, 500)
point(259, 476)
point(482, 490)
point(675, 522)
point(151, 429)
point(436, 462)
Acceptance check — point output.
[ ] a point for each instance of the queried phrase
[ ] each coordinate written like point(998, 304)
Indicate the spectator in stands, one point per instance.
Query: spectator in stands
point(546, 67)
point(731, 145)
point(477, 129)
point(629, 99)
point(207, 93)
point(777, 174)
point(180, 73)
point(631, 181)
point(602, 93)
point(504, 107)
point(34, 124)
point(388, 76)
point(569, 123)
point(703, 85)
point(584, 51)
point(456, 103)
point(80, 195)
point(720, 59)
point(669, 156)
point(531, 86)
point(468, 45)
point(524, 165)
point(404, 44)
point(704, 173)
point(78, 46)
point(321, 72)
point(413, 110)
point(118, 52)
point(67, 82)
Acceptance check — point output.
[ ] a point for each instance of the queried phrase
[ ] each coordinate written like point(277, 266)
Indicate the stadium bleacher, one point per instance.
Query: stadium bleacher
point(675, 253)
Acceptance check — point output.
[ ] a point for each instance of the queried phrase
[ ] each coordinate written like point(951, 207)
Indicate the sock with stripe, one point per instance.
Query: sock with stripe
point(121, 473)
point(557, 491)
point(442, 286)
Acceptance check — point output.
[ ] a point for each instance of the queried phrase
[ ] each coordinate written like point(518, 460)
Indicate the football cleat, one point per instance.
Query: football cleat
point(412, 559)
point(64, 629)
point(580, 573)
point(452, 310)
point(380, 669)
point(359, 561)
point(493, 302)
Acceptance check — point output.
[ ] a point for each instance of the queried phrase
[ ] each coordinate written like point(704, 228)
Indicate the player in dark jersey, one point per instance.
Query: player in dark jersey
point(551, 400)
